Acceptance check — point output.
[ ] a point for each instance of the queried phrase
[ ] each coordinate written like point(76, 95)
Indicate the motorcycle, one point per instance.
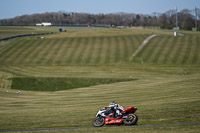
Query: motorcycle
point(108, 117)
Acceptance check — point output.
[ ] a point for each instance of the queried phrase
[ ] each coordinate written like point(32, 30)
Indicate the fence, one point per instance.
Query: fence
point(25, 35)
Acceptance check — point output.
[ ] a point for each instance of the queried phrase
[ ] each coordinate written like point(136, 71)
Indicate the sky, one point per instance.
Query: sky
point(13, 8)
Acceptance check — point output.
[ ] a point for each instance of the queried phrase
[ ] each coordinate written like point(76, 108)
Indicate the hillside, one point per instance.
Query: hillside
point(100, 50)
point(162, 80)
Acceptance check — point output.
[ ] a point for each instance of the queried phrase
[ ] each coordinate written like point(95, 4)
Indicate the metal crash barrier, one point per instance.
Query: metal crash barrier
point(25, 35)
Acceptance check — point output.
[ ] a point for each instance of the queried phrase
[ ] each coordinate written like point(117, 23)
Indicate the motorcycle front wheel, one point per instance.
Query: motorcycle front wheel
point(98, 122)
point(131, 120)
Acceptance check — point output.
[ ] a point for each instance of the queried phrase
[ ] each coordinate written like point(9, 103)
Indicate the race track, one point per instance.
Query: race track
point(70, 128)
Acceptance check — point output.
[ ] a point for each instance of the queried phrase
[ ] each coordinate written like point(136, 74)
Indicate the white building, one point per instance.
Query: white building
point(43, 24)
point(38, 24)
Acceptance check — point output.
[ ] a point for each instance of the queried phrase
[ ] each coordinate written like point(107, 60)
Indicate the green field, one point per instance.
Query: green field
point(57, 84)
point(17, 30)
point(162, 81)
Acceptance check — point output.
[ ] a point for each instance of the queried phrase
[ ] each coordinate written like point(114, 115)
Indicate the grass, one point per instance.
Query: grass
point(160, 98)
point(166, 90)
point(70, 51)
point(171, 50)
point(57, 84)
point(163, 49)
point(17, 30)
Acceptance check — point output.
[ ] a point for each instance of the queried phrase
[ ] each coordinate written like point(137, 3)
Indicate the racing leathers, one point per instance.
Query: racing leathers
point(117, 108)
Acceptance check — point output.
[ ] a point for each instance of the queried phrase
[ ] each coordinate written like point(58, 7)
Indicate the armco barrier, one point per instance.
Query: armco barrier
point(17, 36)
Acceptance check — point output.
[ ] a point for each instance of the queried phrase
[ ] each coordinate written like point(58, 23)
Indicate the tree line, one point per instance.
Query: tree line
point(186, 19)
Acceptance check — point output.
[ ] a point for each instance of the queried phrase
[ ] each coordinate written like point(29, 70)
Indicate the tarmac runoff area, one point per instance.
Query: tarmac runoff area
point(71, 128)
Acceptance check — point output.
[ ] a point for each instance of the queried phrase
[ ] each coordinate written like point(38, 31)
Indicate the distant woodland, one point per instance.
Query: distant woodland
point(187, 19)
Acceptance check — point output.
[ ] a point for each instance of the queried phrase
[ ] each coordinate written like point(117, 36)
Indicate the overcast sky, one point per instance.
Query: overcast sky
point(12, 8)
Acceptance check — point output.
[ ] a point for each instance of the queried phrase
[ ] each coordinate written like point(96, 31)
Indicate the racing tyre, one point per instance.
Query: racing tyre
point(131, 120)
point(98, 122)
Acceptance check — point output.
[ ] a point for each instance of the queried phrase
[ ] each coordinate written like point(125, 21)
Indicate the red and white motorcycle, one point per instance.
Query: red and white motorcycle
point(107, 117)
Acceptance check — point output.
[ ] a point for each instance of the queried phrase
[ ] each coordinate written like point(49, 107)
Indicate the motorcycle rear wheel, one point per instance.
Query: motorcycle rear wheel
point(131, 120)
point(98, 122)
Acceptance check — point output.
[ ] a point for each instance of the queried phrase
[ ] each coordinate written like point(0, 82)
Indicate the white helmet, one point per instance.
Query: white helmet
point(112, 103)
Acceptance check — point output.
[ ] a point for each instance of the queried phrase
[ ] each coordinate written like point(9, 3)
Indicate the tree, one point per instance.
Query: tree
point(165, 20)
point(187, 20)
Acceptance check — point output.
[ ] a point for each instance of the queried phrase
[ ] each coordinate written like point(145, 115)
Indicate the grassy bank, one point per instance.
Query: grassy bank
point(160, 98)
point(167, 88)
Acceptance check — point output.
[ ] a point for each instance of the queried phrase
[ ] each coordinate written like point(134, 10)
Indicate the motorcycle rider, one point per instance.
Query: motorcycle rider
point(116, 108)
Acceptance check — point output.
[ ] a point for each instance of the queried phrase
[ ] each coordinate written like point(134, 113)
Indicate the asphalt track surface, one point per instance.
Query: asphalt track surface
point(70, 128)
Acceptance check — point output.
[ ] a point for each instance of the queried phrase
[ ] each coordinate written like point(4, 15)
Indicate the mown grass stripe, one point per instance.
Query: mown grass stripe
point(36, 50)
point(69, 50)
point(133, 44)
point(137, 42)
point(197, 50)
point(95, 50)
point(33, 52)
point(175, 50)
point(85, 52)
point(182, 50)
point(5, 50)
point(125, 50)
point(59, 52)
point(7, 45)
point(102, 54)
point(113, 50)
point(100, 49)
point(192, 49)
point(84, 44)
point(62, 59)
point(130, 45)
point(5, 55)
point(170, 50)
point(122, 49)
point(47, 51)
point(108, 50)
point(154, 50)
point(137, 39)
point(75, 50)
point(41, 55)
point(147, 52)
point(53, 51)
point(90, 50)
point(188, 51)
point(160, 48)
point(21, 56)
point(12, 57)
point(116, 43)
point(178, 51)
point(164, 51)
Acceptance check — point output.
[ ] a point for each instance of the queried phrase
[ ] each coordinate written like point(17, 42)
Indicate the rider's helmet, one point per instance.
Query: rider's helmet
point(112, 103)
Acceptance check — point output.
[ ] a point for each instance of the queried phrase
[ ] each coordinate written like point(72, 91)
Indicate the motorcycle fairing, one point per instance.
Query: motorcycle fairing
point(130, 110)
point(113, 121)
